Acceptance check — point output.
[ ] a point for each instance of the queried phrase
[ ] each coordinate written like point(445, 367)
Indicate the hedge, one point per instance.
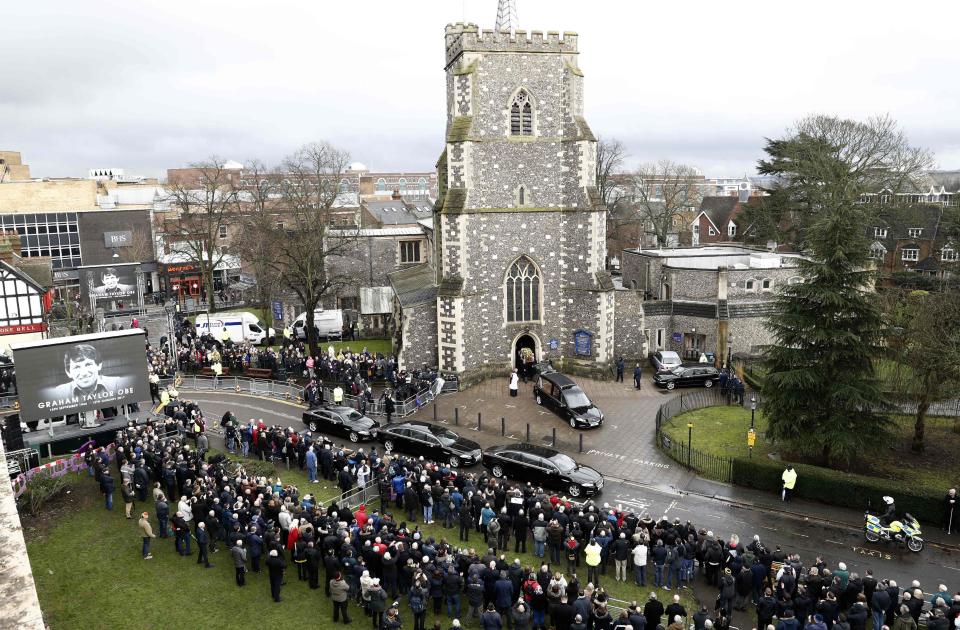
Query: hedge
point(838, 488)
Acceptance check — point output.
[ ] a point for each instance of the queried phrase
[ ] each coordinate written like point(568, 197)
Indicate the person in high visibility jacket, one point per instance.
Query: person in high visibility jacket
point(789, 481)
point(592, 552)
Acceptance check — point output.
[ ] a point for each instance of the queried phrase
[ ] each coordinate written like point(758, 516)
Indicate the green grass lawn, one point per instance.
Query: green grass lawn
point(89, 574)
point(723, 430)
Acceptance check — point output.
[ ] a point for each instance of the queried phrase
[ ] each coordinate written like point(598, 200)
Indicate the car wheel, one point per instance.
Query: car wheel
point(708, 383)
point(573, 490)
point(539, 402)
point(497, 472)
point(388, 445)
point(454, 461)
point(313, 425)
point(671, 385)
point(354, 437)
point(573, 423)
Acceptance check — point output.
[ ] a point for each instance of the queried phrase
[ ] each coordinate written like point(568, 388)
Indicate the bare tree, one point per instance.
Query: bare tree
point(256, 234)
point(610, 157)
point(203, 204)
point(140, 249)
point(664, 193)
point(304, 246)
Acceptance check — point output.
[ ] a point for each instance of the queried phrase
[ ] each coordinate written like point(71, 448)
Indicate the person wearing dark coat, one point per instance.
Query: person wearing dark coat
point(275, 566)
point(503, 594)
point(490, 620)
point(107, 488)
point(312, 555)
point(766, 609)
point(879, 605)
point(857, 616)
point(203, 543)
point(653, 611)
point(562, 614)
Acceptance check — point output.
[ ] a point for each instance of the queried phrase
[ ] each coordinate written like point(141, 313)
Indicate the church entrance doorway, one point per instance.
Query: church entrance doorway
point(525, 355)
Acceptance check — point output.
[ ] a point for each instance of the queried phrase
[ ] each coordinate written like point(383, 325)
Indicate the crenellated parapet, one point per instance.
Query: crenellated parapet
point(465, 37)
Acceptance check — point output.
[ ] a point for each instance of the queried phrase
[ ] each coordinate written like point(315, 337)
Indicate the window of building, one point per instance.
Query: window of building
point(422, 184)
point(523, 291)
point(879, 232)
point(661, 336)
point(878, 251)
point(914, 232)
point(279, 225)
point(523, 197)
point(222, 231)
point(409, 252)
point(767, 284)
point(381, 185)
point(344, 186)
point(750, 285)
point(948, 254)
point(732, 230)
point(910, 254)
point(711, 231)
point(402, 185)
point(521, 115)
point(795, 280)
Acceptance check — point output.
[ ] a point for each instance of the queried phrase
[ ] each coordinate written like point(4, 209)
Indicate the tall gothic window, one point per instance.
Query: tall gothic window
point(521, 115)
point(523, 291)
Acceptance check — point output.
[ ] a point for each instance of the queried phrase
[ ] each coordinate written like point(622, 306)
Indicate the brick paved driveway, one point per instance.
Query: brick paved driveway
point(623, 447)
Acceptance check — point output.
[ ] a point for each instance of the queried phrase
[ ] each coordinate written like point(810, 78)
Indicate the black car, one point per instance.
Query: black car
point(344, 421)
point(543, 466)
point(433, 442)
point(560, 393)
point(688, 376)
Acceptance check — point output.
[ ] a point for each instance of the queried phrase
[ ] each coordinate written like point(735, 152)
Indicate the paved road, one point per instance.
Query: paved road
point(833, 541)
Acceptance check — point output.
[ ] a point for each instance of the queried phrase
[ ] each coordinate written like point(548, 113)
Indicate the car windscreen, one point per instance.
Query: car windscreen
point(353, 416)
point(576, 399)
point(679, 371)
point(563, 462)
point(446, 437)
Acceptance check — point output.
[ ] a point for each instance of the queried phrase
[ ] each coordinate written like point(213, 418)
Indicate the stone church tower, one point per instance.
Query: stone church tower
point(520, 234)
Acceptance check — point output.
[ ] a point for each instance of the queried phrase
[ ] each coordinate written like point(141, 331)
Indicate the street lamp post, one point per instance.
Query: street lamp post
point(753, 410)
point(689, 441)
point(693, 342)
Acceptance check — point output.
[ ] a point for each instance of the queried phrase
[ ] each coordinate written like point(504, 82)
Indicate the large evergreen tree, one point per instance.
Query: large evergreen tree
point(821, 393)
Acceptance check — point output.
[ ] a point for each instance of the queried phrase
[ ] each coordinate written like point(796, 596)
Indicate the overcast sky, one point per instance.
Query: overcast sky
point(149, 85)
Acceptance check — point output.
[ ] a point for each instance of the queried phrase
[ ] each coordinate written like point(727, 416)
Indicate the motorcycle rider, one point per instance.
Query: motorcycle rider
point(890, 514)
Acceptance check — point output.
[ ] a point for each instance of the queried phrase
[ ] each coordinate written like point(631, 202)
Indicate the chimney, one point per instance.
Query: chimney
point(396, 194)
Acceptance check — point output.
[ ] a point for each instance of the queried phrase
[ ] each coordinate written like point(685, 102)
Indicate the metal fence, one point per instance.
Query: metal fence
point(713, 466)
point(290, 391)
point(356, 497)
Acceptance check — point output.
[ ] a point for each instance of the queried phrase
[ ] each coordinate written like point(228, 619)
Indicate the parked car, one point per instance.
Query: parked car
point(344, 421)
point(543, 466)
point(433, 442)
point(560, 393)
point(665, 360)
point(688, 376)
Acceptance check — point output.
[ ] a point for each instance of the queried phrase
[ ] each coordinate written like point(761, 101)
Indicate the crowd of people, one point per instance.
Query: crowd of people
point(379, 560)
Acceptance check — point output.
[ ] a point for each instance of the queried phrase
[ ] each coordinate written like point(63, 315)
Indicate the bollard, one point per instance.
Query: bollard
point(434, 412)
point(456, 415)
point(528, 432)
point(581, 443)
point(553, 439)
point(479, 422)
point(503, 426)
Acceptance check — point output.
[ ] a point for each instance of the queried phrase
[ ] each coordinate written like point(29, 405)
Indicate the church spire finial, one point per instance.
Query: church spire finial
point(506, 16)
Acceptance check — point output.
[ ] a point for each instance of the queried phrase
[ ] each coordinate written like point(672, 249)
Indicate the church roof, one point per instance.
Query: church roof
point(414, 285)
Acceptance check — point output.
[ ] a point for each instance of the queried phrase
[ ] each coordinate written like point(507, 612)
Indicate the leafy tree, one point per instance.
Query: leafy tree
point(925, 346)
point(821, 392)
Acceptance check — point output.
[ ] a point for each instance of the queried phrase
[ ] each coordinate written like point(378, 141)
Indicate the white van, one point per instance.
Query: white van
point(241, 326)
point(329, 324)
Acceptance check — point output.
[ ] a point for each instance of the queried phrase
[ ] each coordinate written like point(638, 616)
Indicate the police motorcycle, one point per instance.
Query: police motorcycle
point(888, 526)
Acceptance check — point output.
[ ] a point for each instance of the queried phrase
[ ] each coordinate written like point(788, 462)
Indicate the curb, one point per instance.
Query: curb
point(800, 516)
